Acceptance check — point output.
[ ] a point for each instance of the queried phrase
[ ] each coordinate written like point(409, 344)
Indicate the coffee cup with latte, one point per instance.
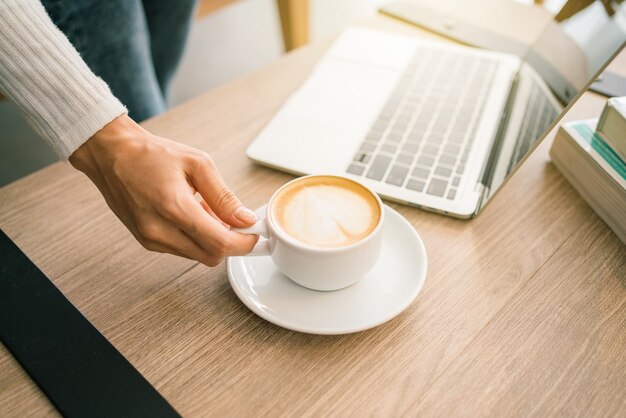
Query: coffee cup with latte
point(324, 232)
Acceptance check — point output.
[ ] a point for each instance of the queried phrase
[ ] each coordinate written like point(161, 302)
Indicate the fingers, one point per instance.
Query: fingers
point(209, 233)
point(174, 241)
point(208, 181)
point(162, 236)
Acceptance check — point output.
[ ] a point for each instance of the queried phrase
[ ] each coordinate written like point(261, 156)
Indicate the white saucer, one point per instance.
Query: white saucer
point(378, 297)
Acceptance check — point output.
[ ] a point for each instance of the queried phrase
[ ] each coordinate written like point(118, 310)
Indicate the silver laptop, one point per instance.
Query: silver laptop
point(427, 123)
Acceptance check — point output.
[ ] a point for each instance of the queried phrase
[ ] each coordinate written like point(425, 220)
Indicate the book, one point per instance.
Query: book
point(594, 169)
point(612, 125)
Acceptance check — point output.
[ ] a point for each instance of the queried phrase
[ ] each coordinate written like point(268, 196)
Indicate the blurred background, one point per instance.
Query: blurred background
point(229, 38)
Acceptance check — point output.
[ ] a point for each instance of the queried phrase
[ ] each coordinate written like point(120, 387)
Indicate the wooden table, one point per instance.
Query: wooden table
point(523, 311)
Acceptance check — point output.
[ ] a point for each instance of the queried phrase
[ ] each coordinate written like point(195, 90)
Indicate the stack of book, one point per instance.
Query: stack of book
point(591, 155)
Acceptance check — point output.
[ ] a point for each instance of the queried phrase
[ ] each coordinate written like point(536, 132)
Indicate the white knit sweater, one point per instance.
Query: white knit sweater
point(44, 75)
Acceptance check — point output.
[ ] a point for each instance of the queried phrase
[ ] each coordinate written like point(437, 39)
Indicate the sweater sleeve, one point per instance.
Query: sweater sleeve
point(45, 76)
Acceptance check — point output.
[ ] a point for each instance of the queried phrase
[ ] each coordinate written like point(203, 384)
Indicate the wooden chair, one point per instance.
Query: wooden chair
point(574, 6)
point(294, 18)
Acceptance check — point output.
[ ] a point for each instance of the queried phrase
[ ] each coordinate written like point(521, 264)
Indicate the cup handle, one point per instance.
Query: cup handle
point(260, 228)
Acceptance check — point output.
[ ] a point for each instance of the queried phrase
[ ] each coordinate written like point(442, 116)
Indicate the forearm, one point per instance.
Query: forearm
point(44, 75)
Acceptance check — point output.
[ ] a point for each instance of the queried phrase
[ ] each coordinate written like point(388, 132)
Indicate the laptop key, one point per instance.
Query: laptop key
point(379, 167)
point(443, 171)
point(436, 137)
point(425, 160)
point(415, 138)
point(421, 123)
point(417, 185)
point(447, 159)
point(392, 140)
point(421, 173)
point(356, 169)
point(405, 117)
point(368, 146)
point(437, 187)
point(461, 125)
point(429, 149)
point(410, 148)
point(394, 137)
point(441, 126)
point(372, 139)
point(451, 194)
point(391, 149)
point(381, 124)
point(456, 181)
point(377, 131)
point(404, 159)
point(400, 126)
point(456, 138)
point(451, 149)
point(460, 169)
point(397, 175)
point(464, 118)
point(362, 157)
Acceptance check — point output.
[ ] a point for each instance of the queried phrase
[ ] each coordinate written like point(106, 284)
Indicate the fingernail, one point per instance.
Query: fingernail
point(245, 215)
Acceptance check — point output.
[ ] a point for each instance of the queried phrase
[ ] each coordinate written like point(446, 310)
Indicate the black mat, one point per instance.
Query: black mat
point(73, 364)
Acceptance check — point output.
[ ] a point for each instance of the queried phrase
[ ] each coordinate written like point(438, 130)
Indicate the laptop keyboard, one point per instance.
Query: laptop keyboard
point(423, 136)
point(537, 118)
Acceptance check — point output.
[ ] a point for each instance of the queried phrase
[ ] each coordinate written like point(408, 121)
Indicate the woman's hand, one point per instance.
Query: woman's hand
point(150, 183)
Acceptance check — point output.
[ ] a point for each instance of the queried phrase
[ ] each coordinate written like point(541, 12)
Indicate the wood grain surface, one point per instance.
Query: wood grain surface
point(523, 312)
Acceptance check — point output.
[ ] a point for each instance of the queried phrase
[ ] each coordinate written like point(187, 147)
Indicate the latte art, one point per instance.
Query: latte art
point(326, 211)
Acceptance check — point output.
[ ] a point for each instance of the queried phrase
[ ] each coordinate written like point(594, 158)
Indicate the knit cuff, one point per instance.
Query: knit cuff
point(87, 123)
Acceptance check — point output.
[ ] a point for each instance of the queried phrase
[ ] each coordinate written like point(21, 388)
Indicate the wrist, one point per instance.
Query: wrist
point(107, 140)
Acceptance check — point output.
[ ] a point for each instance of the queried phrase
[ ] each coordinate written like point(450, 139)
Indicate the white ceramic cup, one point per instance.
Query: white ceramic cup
point(312, 267)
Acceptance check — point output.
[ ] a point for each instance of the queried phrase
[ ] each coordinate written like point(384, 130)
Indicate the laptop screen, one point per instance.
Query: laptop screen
point(576, 43)
point(573, 46)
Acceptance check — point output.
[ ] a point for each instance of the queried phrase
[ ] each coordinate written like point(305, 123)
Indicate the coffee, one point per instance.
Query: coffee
point(326, 211)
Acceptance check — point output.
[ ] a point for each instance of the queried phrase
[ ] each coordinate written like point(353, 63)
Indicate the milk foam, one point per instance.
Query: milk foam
point(327, 215)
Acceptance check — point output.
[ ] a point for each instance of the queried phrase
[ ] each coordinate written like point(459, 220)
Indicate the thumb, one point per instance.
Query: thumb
point(208, 182)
